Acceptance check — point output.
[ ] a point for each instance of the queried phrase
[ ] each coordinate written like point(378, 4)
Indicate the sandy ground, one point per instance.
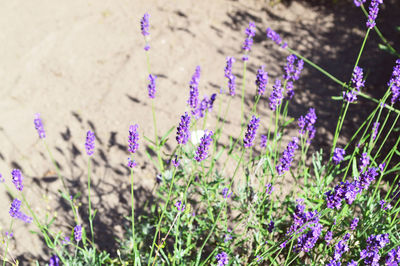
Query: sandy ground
point(81, 65)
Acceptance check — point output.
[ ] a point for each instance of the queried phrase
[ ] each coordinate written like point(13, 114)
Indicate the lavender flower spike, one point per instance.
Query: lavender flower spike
point(248, 42)
point(373, 13)
point(39, 126)
point(261, 80)
point(275, 37)
point(222, 259)
point(354, 224)
point(287, 156)
point(182, 131)
point(152, 86)
point(394, 82)
point(17, 179)
point(306, 124)
point(264, 140)
point(133, 139)
point(202, 150)
point(89, 145)
point(194, 90)
point(228, 68)
point(292, 71)
point(276, 96)
point(252, 127)
point(54, 261)
point(78, 233)
point(375, 129)
point(144, 24)
point(338, 155)
point(15, 208)
point(358, 3)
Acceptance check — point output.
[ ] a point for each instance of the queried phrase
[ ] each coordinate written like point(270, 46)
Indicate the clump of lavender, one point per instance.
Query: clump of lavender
point(17, 179)
point(354, 224)
point(264, 140)
point(393, 257)
point(308, 240)
point(182, 131)
point(201, 152)
point(194, 90)
point(374, 243)
point(373, 13)
point(358, 83)
point(338, 155)
point(133, 139)
point(261, 80)
point(359, 2)
point(78, 233)
point(231, 78)
point(287, 156)
point(293, 69)
point(39, 126)
point(222, 259)
point(306, 124)
point(250, 135)
point(276, 96)
point(152, 86)
point(375, 129)
point(179, 206)
point(89, 145)
point(275, 37)
point(248, 42)
point(395, 82)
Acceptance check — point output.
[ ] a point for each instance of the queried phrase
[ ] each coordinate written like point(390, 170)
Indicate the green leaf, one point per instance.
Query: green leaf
point(166, 134)
point(83, 236)
point(355, 170)
point(149, 140)
point(288, 122)
point(398, 28)
point(337, 98)
point(151, 159)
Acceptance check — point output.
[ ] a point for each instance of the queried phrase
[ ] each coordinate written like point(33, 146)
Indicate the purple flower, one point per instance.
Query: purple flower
point(289, 90)
point(9, 234)
point(66, 241)
point(352, 263)
point(39, 126)
point(248, 42)
point(359, 2)
point(393, 257)
point(54, 261)
point(152, 86)
point(338, 155)
point(225, 193)
point(211, 101)
point(228, 237)
point(179, 206)
point(293, 71)
point(182, 131)
point(306, 124)
point(384, 205)
point(275, 37)
point(133, 139)
point(269, 188)
point(394, 82)
point(17, 179)
point(364, 161)
point(201, 152)
point(131, 163)
point(328, 237)
point(263, 142)
point(147, 47)
point(203, 107)
point(382, 167)
point(89, 145)
point(345, 190)
point(144, 24)
point(2, 179)
point(228, 74)
point(340, 248)
point(261, 80)
point(271, 226)
point(276, 96)
point(250, 135)
point(194, 90)
point(287, 156)
point(358, 83)
point(308, 240)
point(259, 258)
point(15, 208)
point(176, 161)
point(373, 13)
point(371, 253)
point(78, 233)
point(354, 224)
point(222, 259)
point(375, 129)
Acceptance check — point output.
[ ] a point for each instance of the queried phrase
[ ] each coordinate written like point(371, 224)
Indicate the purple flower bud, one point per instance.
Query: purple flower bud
point(225, 193)
point(54, 261)
point(289, 90)
point(364, 161)
point(179, 206)
point(89, 145)
point(275, 37)
point(359, 2)
point(269, 188)
point(248, 42)
point(287, 156)
point(394, 82)
point(66, 241)
point(39, 126)
point(328, 237)
point(354, 224)
point(183, 130)
point(276, 96)
point(373, 13)
point(211, 101)
point(358, 83)
point(261, 80)
point(176, 161)
point(292, 72)
point(371, 253)
point(2, 179)
point(78, 233)
point(306, 124)
point(271, 226)
point(228, 68)
point(264, 140)
point(15, 208)
point(250, 135)
point(17, 179)
point(201, 152)
point(131, 163)
point(222, 259)
point(152, 86)
point(375, 129)
point(338, 155)
point(393, 257)
point(194, 90)
point(133, 139)
point(144, 24)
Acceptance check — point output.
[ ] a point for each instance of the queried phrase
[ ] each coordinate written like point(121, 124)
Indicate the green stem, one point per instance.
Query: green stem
point(160, 162)
point(90, 204)
point(7, 242)
point(243, 87)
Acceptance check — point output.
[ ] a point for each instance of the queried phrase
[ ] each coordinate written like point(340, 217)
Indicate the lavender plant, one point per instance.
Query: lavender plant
point(343, 210)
